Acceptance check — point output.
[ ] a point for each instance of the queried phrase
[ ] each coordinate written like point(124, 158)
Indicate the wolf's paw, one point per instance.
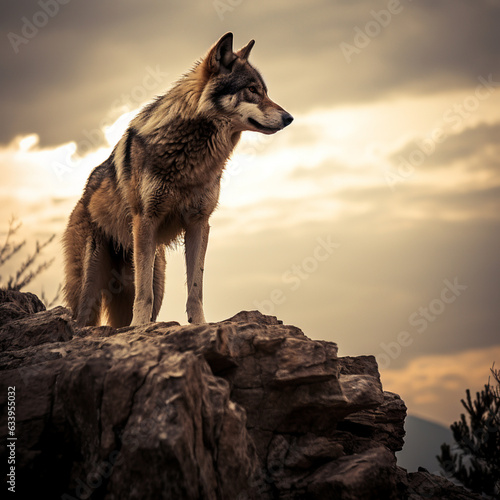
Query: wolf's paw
point(197, 321)
point(194, 309)
point(140, 319)
point(197, 317)
point(142, 312)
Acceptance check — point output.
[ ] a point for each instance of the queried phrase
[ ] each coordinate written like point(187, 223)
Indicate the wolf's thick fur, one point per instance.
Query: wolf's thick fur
point(160, 182)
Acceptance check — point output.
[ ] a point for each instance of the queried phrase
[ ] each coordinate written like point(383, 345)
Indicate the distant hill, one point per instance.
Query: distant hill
point(422, 443)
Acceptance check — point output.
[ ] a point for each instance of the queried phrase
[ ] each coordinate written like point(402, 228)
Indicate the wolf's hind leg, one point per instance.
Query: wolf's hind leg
point(95, 269)
point(158, 281)
point(119, 297)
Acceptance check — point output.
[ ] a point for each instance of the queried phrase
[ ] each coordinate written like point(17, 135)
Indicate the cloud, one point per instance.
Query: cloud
point(327, 170)
point(474, 146)
point(68, 77)
point(324, 177)
point(432, 386)
point(387, 271)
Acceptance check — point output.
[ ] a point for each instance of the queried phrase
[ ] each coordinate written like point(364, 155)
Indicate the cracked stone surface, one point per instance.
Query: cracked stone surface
point(247, 408)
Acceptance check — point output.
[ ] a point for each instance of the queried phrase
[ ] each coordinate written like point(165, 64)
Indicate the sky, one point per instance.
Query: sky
point(372, 221)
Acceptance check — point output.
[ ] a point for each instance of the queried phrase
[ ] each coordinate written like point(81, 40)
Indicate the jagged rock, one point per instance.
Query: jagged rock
point(14, 305)
point(247, 408)
point(432, 487)
point(32, 330)
point(383, 424)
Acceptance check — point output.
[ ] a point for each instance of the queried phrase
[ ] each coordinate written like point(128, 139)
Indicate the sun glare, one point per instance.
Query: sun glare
point(28, 142)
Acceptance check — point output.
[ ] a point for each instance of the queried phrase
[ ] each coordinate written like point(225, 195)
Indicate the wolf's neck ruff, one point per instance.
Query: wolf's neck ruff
point(187, 139)
point(184, 152)
point(183, 99)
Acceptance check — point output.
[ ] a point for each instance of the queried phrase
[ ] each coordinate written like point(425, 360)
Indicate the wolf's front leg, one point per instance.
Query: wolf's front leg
point(196, 240)
point(144, 235)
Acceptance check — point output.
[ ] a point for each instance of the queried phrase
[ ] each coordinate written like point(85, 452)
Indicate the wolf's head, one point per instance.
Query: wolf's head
point(234, 87)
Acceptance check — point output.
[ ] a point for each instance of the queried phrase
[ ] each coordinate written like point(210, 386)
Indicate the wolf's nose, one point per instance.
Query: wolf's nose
point(287, 119)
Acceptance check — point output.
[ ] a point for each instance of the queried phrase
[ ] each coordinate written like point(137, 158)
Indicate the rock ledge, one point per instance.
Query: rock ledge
point(247, 408)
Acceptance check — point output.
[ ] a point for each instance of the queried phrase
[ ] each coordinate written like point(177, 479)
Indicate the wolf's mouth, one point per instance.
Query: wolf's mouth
point(258, 125)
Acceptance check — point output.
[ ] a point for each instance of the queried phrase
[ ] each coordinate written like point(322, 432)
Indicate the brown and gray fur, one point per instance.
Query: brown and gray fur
point(161, 182)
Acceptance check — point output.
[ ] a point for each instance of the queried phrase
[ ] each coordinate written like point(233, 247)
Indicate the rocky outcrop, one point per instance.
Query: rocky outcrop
point(247, 408)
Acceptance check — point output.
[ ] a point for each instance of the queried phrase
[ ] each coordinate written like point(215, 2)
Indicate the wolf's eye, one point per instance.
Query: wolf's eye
point(253, 89)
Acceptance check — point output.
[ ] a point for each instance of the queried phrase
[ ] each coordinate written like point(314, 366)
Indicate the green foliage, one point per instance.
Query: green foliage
point(475, 458)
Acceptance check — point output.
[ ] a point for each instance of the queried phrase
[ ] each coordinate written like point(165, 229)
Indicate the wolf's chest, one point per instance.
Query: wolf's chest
point(182, 209)
point(193, 192)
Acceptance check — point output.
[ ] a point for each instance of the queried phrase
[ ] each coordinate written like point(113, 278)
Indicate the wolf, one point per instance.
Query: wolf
point(161, 184)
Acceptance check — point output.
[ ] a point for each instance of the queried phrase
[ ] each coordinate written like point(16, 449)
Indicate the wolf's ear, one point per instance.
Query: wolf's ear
point(244, 52)
point(221, 56)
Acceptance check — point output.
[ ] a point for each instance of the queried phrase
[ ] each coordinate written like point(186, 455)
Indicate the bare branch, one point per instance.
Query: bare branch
point(8, 249)
point(25, 274)
point(21, 281)
point(50, 303)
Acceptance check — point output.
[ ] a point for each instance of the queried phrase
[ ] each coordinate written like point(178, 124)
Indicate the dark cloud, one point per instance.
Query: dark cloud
point(64, 81)
point(399, 245)
point(364, 295)
point(476, 147)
